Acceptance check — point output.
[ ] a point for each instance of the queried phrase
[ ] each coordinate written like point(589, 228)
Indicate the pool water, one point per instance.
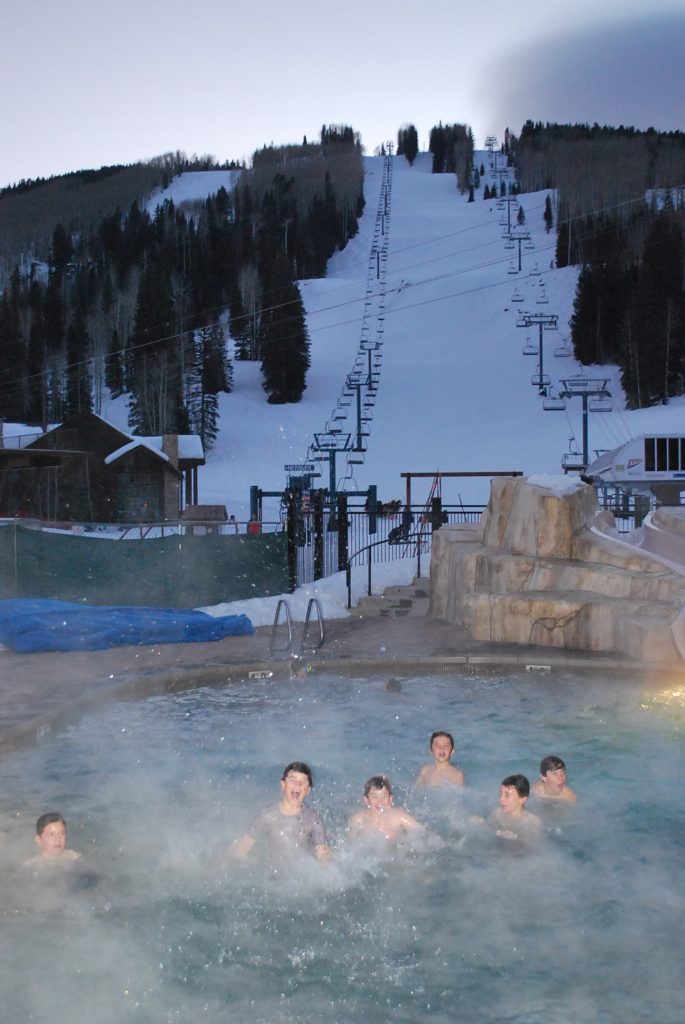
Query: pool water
point(584, 925)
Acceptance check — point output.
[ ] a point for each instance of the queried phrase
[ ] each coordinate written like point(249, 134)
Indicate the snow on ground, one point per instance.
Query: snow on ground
point(331, 593)
point(455, 390)
point(192, 186)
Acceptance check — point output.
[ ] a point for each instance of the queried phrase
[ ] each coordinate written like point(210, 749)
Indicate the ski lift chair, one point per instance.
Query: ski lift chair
point(530, 348)
point(552, 403)
point(602, 403)
point(572, 460)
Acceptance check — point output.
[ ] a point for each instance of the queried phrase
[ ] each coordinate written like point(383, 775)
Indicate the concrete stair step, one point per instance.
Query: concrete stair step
point(412, 590)
point(412, 600)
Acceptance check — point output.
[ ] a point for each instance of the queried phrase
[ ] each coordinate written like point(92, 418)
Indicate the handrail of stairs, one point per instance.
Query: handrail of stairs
point(282, 605)
point(313, 605)
point(420, 540)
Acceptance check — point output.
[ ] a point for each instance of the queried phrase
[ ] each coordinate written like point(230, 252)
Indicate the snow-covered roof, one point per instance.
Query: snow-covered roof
point(136, 442)
point(189, 445)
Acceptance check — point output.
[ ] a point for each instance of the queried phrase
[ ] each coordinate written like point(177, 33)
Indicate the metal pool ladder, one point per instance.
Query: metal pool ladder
point(305, 643)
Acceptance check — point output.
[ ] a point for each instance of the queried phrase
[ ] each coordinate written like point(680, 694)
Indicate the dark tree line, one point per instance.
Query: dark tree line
point(139, 305)
point(452, 148)
point(408, 143)
point(620, 216)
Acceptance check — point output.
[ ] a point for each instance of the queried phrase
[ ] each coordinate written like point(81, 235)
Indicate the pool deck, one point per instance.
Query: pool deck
point(40, 692)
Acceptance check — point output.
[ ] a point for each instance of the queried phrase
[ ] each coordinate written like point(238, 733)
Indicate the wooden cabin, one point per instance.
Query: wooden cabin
point(87, 470)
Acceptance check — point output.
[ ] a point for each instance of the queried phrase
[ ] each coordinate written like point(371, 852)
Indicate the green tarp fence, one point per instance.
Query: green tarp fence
point(176, 571)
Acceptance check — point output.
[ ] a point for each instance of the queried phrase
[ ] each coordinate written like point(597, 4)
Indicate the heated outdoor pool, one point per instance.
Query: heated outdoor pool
point(585, 925)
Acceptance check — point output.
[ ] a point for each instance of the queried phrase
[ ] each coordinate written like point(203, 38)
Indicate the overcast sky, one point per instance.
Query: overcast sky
point(92, 82)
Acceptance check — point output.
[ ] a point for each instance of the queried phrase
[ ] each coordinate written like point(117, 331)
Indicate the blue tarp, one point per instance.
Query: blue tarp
point(28, 625)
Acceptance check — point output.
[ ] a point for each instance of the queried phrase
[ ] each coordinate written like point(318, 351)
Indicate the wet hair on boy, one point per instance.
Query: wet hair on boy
point(552, 782)
point(377, 782)
point(49, 818)
point(302, 768)
point(518, 782)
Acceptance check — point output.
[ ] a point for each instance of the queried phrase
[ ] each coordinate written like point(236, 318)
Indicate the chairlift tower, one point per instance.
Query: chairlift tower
point(520, 237)
point(508, 200)
point(354, 385)
point(582, 387)
point(327, 446)
point(544, 322)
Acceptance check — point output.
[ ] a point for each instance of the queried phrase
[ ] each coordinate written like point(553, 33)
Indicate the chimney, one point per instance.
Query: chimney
point(170, 447)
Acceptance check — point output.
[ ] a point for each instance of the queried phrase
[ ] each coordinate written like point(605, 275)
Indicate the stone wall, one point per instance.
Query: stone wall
point(538, 569)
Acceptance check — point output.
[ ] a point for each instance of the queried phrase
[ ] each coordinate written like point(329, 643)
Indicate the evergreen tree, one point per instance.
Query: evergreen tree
point(284, 341)
point(78, 395)
point(12, 362)
point(408, 143)
point(211, 374)
point(548, 216)
point(521, 217)
point(61, 251)
point(114, 366)
point(155, 357)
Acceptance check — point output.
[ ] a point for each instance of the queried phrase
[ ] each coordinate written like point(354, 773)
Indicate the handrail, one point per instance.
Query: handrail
point(313, 604)
point(282, 603)
point(348, 565)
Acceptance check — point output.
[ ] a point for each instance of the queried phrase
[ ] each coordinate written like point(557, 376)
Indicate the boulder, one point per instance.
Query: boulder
point(542, 568)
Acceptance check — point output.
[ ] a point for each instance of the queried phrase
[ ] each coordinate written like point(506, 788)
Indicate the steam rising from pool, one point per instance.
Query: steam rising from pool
point(155, 926)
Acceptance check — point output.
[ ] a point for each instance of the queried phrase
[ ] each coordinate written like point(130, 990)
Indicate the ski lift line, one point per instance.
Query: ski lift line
point(217, 323)
point(176, 336)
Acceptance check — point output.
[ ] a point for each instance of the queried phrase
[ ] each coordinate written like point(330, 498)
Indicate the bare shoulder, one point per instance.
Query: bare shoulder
point(357, 821)
point(406, 820)
point(455, 775)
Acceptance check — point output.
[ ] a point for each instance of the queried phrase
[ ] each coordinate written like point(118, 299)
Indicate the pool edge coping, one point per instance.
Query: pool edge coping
point(165, 681)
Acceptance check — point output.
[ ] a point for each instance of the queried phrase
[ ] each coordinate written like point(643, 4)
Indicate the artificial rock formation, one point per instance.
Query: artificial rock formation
point(539, 569)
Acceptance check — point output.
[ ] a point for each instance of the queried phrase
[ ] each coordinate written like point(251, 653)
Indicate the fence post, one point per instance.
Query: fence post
point(342, 531)
point(291, 503)
point(317, 526)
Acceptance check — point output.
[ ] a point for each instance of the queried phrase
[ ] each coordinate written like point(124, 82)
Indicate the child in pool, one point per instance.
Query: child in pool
point(51, 838)
point(441, 772)
point(380, 816)
point(512, 820)
point(552, 782)
point(289, 826)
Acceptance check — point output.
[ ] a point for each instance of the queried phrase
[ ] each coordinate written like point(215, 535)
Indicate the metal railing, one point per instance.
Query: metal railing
point(285, 607)
point(313, 605)
point(421, 542)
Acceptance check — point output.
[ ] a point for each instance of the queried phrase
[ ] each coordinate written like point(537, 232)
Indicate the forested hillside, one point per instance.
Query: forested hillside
point(135, 301)
point(619, 213)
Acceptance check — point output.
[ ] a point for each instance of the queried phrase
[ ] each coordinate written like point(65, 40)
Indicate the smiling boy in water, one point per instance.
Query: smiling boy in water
point(51, 839)
point(380, 816)
point(441, 772)
point(289, 826)
point(552, 782)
